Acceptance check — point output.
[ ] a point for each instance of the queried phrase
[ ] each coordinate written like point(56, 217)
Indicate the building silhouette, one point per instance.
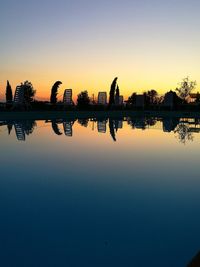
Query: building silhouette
point(19, 95)
point(67, 97)
point(102, 98)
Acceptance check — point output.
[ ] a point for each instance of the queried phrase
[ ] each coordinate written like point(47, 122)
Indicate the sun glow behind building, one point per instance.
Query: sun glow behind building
point(85, 44)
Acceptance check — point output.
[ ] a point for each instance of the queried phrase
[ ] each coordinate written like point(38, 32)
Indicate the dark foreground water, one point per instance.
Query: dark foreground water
point(107, 193)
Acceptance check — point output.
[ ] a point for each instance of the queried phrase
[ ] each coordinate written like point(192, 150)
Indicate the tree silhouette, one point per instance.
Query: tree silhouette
point(112, 92)
point(183, 133)
point(83, 99)
point(186, 87)
point(29, 91)
point(54, 92)
point(132, 99)
point(9, 95)
point(151, 97)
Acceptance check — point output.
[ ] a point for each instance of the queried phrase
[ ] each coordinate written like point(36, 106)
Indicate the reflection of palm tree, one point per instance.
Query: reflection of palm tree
point(55, 127)
point(112, 129)
point(183, 133)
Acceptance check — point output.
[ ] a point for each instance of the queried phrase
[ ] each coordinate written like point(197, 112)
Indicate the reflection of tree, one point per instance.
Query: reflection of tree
point(139, 123)
point(112, 129)
point(55, 128)
point(9, 127)
point(151, 121)
point(183, 133)
point(83, 122)
point(169, 124)
point(29, 126)
point(116, 125)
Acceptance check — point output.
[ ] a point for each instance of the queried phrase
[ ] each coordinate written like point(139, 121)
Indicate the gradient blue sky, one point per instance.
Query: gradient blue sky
point(85, 44)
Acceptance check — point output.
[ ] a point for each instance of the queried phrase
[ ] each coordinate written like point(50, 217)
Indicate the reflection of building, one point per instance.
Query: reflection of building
point(101, 126)
point(68, 128)
point(67, 97)
point(102, 98)
point(20, 133)
point(19, 95)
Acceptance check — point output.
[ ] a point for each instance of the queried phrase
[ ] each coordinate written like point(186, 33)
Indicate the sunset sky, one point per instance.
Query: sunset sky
point(148, 44)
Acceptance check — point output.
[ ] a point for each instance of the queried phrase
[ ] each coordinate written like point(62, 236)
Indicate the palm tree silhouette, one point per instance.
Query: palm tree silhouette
point(54, 92)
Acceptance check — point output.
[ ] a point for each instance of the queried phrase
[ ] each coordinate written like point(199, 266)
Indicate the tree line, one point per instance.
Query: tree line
point(151, 97)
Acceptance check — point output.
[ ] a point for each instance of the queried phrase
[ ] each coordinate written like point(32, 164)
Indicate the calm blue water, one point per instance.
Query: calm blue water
point(101, 194)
